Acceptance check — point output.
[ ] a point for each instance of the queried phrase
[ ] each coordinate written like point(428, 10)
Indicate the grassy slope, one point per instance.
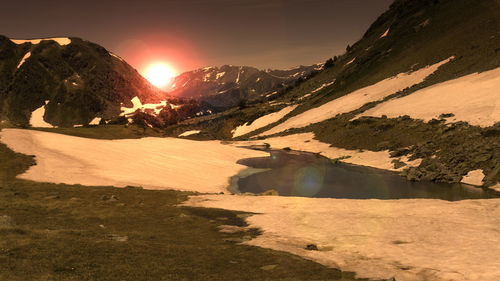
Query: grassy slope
point(62, 232)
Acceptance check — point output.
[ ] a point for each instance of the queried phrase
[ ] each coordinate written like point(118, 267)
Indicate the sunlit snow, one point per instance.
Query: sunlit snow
point(36, 119)
point(474, 98)
point(60, 40)
point(28, 54)
point(357, 98)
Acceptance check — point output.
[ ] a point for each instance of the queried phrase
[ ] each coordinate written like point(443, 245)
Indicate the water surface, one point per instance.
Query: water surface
point(309, 175)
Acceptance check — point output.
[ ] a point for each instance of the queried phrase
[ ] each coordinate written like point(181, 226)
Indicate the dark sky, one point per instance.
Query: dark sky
point(196, 33)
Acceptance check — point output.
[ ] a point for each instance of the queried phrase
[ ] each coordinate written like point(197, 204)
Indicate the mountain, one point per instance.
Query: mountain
point(420, 86)
point(223, 87)
point(67, 82)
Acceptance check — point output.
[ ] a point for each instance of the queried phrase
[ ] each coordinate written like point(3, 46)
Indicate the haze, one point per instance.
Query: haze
point(193, 33)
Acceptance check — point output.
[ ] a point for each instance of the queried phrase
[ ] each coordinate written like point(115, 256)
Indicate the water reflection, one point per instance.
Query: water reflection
point(308, 175)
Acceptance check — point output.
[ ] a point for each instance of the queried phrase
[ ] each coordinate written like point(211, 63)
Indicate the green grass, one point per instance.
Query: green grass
point(72, 232)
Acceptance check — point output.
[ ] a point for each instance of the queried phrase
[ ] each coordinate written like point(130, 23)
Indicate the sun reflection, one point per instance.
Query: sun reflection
point(308, 181)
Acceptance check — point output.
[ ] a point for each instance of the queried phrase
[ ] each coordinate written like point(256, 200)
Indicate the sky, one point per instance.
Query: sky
point(189, 34)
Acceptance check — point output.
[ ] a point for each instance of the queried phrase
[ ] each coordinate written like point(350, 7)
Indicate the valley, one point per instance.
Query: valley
point(382, 163)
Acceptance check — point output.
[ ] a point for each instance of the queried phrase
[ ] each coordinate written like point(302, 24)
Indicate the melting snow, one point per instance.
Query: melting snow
point(271, 94)
point(60, 40)
point(262, 121)
point(36, 119)
point(189, 133)
point(207, 77)
point(95, 121)
point(238, 78)
point(385, 33)
point(156, 107)
point(322, 87)
point(350, 62)
point(410, 240)
point(154, 163)
point(113, 55)
point(357, 99)
point(219, 75)
point(474, 178)
point(474, 98)
point(28, 54)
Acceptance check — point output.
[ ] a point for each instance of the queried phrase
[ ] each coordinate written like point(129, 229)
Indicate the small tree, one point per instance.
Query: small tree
point(348, 48)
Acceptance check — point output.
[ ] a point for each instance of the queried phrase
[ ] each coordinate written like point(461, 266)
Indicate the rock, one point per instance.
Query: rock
point(398, 163)
point(383, 145)
point(269, 267)
point(399, 152)
point(311, 247)
point(118, 238)
point(112, 198)
point(270, 192)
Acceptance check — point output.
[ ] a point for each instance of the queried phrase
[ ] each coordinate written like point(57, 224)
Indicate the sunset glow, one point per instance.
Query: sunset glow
point(159, 74)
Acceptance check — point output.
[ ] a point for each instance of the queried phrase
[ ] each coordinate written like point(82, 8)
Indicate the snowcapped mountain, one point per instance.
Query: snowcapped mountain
point(67, 82)
point(223, 87)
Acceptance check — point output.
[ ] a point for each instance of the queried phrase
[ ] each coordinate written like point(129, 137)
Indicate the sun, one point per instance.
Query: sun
point(159, 74)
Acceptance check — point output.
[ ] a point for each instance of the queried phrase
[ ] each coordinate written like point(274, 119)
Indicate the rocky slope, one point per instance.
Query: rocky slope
point(441, 56)
point(68, 81)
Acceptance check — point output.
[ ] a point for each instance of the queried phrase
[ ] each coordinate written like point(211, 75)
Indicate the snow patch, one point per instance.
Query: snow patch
point(474, 98)
point(322, 87)
point(219, 75)
point(190, 133)
point(60, 40)
point(271, 94)
point(496, 187)
point(357, 99)
point(115, 56)
point(36, 119)
point(262, 121)
point(351, 61)
point(474, 178)
point(28, 54)
point(137, 104)
point(95, 121)
point(238, 78)
point(410, 240)
point(153, 163)
point(207, 76)
point(385, 33)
